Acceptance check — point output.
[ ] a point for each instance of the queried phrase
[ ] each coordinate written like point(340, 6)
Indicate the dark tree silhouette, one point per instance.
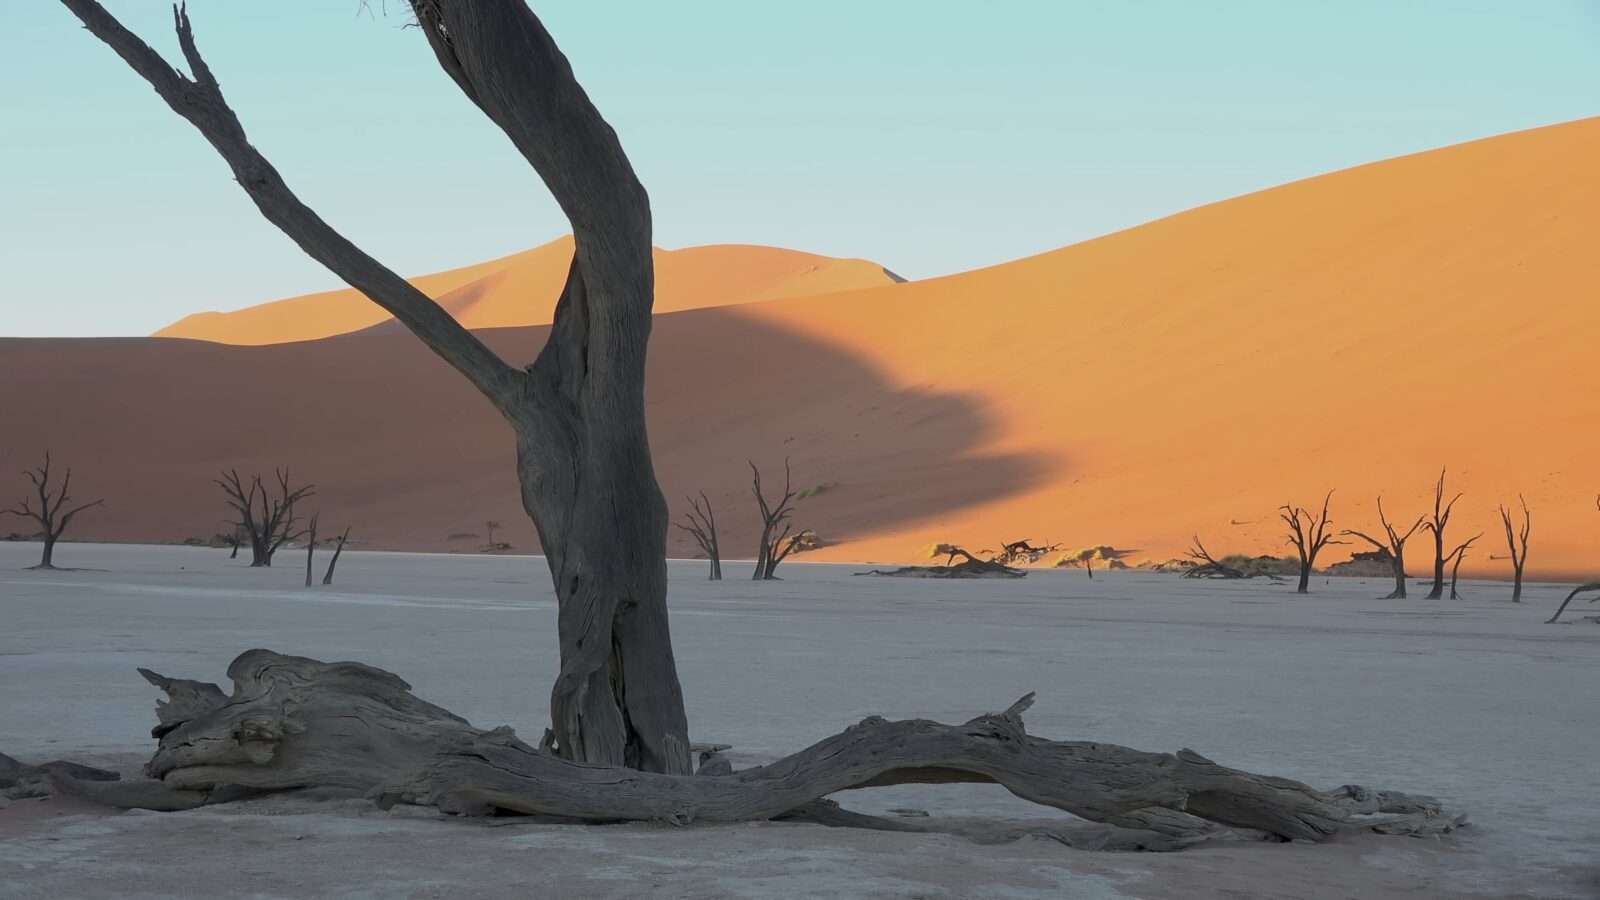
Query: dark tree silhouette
point(1517, 545)
point(1395, 546)
point(54, 510)
point(1590, 588)
point(701, 524)
point(1308, 535)
point(774, 545)
point(583, 458)
point(311, 547)
point(267, 519)
point(1208, 567)
point(1436, 526)
point(1454, 557)
point(327, 576)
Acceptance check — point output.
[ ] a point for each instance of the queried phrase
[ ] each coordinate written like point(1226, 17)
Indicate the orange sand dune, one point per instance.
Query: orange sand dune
point(521, 289)
point(1353, 331)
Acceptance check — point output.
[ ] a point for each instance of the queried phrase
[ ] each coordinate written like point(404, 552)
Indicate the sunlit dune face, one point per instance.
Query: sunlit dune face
point(1353, 332)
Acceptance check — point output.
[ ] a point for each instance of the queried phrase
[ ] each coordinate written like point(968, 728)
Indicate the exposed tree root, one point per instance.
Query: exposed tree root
point(293, 723)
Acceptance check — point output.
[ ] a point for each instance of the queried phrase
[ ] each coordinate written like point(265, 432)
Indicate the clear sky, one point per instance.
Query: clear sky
point(929, 135)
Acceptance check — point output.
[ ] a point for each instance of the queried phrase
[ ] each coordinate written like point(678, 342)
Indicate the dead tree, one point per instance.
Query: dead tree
point(1436, 526)
point(1580, 589)
point(311, 547)
point(772, 548)
point(1395, 546)
point(267, 519)
point(1455, 557)
point(969, 567)
point(701, 524)
point(54, 511)
point(1208, 567)
point(491, 527)
point(292, 723)
point(1012, 553)
point(232, 539)
point(327, 577)
point(1592, 588)
point(577, 411)
point(1517, 545)
point(1308, 534)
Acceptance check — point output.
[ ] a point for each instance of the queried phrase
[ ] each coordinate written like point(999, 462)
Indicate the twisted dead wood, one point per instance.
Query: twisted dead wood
point(293, 723)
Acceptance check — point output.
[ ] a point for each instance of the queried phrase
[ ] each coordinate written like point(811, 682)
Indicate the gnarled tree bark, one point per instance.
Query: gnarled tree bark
point(293, 723)
point(583, 458)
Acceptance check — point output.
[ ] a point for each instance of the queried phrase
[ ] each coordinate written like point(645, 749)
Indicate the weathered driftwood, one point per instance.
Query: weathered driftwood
point(293, 723)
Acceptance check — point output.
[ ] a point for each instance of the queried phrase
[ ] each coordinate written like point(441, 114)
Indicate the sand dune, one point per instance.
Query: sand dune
point(1353, 331)
point(521, 289)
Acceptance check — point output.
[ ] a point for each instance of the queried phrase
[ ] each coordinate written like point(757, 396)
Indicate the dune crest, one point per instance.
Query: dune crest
point(521, 289)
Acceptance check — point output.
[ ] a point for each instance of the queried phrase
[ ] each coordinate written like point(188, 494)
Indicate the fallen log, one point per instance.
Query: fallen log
point(293, 723)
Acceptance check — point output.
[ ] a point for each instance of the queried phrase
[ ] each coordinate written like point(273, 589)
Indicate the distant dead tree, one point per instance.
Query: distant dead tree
point(327, 577)
point(701, 524)
point(1517, 545)
point(232, 539)
point(311, 547)
point(493, 546)
point(1592, 587)
point(1308, 535)
point(1454, 557)
point(54, 512)
point(970, 566)
point(1395, 546)
point(775, 545)
point(267, 520)
point(1017, 552)
point(1436, 526)
point(1208, 567)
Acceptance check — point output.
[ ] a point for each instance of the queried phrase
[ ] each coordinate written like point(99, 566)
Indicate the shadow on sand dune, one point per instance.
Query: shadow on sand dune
point(402, 449)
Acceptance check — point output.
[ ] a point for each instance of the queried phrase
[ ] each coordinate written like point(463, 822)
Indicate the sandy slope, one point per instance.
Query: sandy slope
point(1353, 331)
point(521, 289)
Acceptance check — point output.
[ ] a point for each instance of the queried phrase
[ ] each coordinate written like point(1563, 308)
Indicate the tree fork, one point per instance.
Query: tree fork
point(583, 459)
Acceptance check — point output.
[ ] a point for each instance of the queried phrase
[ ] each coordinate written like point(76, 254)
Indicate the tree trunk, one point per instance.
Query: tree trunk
point(311, 548)
point(47, 560)
point(1437, 591)
point(1399, 576)
point(294, 723)
point(327, 577)
point(1304, 587)
point(1516, 585)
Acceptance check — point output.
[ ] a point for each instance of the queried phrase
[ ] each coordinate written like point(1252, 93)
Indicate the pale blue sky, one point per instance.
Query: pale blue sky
point(930, 135)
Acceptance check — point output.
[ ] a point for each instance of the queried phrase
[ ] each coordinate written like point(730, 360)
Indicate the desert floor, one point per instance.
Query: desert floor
point(1474, 701)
